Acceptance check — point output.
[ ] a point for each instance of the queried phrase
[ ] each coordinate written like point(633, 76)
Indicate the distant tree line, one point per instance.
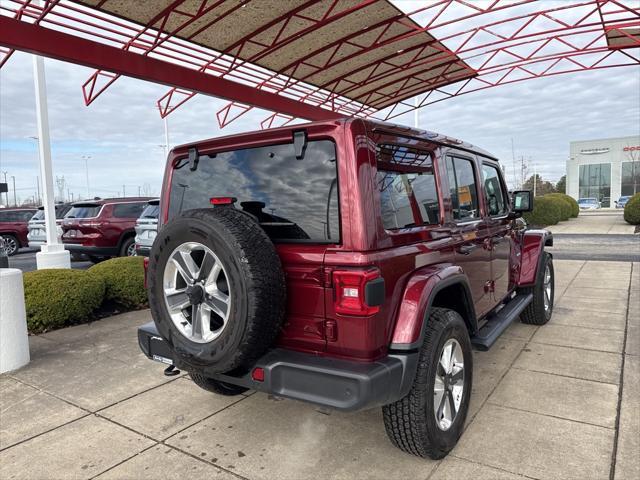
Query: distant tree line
point(543, 187)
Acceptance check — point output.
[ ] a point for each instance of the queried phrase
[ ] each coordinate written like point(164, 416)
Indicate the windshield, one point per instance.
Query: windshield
point(83, 211)
point(294, 200)
point(587, 201)
point(151, 211)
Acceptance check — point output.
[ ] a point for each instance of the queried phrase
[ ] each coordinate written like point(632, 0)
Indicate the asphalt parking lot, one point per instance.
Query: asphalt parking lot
point(561, 401)
point(25, 260)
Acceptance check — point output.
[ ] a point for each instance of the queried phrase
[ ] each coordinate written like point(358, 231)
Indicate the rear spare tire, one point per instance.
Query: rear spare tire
point(216, 289)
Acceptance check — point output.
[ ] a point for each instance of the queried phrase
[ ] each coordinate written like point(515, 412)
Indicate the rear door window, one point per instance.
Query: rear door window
point(293, 200)
point(462, 189)
point(128, 210)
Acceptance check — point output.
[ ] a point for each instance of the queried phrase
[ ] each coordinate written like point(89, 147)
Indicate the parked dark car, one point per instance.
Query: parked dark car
point(348, 263)
point(14, 226)
point(37, 236)
point(147, 227)
point(102, 228)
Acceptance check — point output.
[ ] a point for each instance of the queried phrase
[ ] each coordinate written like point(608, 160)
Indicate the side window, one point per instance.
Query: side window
point(128, 210)
point(407, 198)
point(493, 193)
point(462, 186)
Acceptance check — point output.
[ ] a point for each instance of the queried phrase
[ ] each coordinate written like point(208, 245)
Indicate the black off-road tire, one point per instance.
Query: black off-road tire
point(410, 422)
point(535, 313)
point(255, 278)
point(221, 388)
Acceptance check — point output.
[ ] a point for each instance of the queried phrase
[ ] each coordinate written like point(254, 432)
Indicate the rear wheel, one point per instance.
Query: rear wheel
point(539, 311)
point(128, 247)
point(11, 245)
point(430, 419)
point(221, 388)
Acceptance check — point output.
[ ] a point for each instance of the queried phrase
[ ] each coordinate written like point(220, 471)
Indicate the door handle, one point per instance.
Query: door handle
point(466, 249)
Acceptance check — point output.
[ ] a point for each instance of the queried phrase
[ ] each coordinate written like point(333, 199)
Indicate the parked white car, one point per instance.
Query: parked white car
point(37, 235)
point(589, 204)
point(147, 228)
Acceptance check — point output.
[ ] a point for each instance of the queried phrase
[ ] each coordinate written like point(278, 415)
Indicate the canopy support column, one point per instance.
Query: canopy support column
point(53, 254)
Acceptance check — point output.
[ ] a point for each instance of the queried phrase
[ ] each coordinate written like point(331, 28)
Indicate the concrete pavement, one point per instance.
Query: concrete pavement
point(561, 401)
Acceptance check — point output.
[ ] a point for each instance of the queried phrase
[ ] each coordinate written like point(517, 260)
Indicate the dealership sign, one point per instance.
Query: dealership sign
point(631, 149)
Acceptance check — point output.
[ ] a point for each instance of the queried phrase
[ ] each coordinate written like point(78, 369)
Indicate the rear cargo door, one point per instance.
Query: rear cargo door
point(304, 326)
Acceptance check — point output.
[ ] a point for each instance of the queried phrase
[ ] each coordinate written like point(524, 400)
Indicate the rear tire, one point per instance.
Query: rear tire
point(539, 311)
point(128, 247)
point(415, 424)
point(11, 245)
point(215, 386)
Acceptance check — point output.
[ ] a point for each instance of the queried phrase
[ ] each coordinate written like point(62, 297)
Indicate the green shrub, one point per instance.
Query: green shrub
point(563, 204)
point(58, 297)
point(575, 209)
point(124, 280)
point(546, 211)
point(632, 210)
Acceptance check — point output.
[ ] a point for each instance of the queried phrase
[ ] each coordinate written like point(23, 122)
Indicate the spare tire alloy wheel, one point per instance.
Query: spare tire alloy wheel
point(216, 290)
point(197, 295)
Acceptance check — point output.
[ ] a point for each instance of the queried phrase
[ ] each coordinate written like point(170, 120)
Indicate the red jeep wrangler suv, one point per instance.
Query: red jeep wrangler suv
point(102, 228)
point(347, 263)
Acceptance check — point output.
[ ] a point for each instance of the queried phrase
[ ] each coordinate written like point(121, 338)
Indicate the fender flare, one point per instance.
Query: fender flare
point(533, 243)
point(126, 234)
point(421, 290)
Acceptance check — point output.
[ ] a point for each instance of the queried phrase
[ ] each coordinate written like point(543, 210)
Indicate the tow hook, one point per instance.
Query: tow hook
point(171, 371)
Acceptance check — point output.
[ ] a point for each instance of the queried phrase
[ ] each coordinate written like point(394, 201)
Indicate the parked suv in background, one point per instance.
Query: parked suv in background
point(37, 235)
point(102, 228)
point(347, 263)
point(147, 227)
point(14, 228)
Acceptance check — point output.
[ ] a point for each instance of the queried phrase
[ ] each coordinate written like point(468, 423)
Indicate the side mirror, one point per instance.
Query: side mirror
point(522, 201)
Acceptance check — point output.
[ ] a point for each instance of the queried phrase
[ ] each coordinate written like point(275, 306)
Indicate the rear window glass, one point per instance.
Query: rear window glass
point(151, 211)
point(294, 200)
point(83, 212)
point(39, 215)
point(16, 215)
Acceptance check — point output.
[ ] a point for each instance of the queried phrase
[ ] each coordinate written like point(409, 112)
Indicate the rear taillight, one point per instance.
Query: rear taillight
point(145, 262)
point(358, 292)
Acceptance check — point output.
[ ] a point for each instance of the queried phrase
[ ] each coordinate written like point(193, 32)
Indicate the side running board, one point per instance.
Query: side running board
point(499, 321)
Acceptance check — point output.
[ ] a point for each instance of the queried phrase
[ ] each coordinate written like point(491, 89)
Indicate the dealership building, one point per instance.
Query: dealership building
point(604, 169)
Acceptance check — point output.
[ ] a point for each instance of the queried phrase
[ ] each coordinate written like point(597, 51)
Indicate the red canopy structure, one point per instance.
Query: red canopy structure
point(317, 59)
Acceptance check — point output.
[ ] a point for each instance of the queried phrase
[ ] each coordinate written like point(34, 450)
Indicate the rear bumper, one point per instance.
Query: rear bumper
point(97, 251)
point(336, 383)
point(142, 250)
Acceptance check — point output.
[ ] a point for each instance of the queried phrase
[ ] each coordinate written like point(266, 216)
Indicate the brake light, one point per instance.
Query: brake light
point(145, 263)
point(258, 374)
point(222, 200)
point(358, 292)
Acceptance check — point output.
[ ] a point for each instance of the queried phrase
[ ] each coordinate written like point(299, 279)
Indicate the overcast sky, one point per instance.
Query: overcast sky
point(122, 131)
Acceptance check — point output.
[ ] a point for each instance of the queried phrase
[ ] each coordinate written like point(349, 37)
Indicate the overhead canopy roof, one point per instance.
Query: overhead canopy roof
point(251, 31)
point(318, 59)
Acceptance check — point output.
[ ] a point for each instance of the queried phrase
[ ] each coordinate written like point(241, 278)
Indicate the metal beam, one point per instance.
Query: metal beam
point(70, 48)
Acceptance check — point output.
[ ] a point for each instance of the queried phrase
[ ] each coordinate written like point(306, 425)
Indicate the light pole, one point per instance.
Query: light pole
point(6, 194)
point(15, 200)
point(86, 170)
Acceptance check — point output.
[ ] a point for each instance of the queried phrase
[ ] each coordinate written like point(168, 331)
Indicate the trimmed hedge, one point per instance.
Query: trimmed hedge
point(575, 209)
point(565, 207)
point(632, 210)
point(58, 297)
point(124, 280)
point(546, 211)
